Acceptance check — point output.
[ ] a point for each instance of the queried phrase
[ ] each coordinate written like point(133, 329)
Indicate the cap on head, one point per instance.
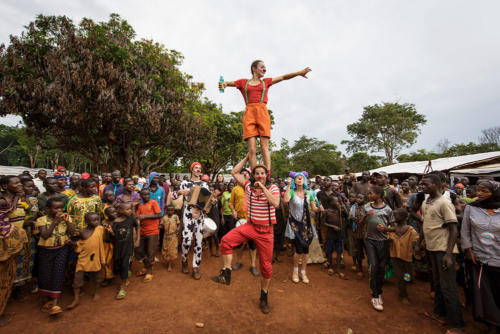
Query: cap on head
point(384, 174)
point(196, 163)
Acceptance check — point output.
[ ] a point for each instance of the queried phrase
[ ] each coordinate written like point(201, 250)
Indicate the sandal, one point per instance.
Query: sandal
point(121, 294)
point(141, 272)
point(341, 276)
point(148, 278)
point(47, 306)
point(55, 310)
point(331, 272)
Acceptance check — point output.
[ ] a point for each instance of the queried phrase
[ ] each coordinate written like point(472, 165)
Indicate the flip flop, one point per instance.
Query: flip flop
point(121, 294)
point(331, 272)
point(148, 278)
point(55, 310)
point(433, 317)
point(341, 276)
point(47, 306)
point(141, 272)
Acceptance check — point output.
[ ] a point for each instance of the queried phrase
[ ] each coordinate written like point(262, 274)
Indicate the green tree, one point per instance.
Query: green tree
point(386, 128)
point(470, 148)
point(98, 91)
point(419, 155)
point(361, 161)
point(315, 156)
point(222, 142)
point(11, 151)
point(280, 159)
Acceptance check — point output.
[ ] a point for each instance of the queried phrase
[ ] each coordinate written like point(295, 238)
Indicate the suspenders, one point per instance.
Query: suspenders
point(268, 209)
point(263, 91)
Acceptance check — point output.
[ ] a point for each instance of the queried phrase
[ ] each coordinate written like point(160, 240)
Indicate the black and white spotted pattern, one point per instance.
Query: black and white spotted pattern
point(193, 228)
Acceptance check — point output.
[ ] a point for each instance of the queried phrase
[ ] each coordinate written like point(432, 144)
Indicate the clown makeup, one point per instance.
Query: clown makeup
point(196, 170)
point(299, 180)
point(260, 175)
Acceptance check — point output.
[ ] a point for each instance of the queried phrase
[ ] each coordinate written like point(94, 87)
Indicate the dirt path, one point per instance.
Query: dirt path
point(174, 303)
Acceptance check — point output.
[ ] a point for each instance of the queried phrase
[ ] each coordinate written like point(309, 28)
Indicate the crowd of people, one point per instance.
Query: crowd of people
point(87, 229)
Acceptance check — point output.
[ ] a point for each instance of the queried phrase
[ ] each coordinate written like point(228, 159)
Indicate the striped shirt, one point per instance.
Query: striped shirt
point(259, 209)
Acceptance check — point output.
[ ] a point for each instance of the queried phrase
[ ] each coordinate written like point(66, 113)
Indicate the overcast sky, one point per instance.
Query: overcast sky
point(443, 56)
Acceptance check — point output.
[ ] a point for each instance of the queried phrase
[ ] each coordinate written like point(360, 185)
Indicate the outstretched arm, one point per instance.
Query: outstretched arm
point(289, 76)
point(225, 84)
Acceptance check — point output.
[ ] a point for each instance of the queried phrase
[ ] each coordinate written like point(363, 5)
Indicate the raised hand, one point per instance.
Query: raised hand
point(305, 71)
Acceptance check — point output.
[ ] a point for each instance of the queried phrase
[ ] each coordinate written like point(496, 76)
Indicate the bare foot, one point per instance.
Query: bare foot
point(73, 304)
point(169, 268)
point(96, 297)
point(4, 320)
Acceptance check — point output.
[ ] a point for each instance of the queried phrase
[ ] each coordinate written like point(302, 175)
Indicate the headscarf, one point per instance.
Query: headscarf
point(294, 175)
point(492, 202)
point(152, 175)
point(59, 168)
point(196, 163)
point(85, 176)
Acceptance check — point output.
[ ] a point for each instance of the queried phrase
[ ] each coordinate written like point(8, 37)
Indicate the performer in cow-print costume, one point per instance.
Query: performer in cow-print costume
point(192, 221)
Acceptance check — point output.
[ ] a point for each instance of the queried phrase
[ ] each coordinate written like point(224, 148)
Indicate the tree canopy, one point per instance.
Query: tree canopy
point(99, 91)
point(387, 128)
point(307, 154)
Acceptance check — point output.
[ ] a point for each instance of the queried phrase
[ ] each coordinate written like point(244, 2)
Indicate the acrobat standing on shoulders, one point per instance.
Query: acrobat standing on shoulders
point(256, 119)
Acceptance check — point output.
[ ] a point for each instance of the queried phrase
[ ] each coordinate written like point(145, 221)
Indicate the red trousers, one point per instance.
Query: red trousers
point(263, 238)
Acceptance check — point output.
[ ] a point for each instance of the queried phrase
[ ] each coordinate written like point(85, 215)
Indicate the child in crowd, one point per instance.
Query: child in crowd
point(404, 239)
point(170, 223)
point(90, 249)
point(358, 233)
point(348, 236)
point(122, 232)
point(148, 214)
point(471, 194)
point(109, 198)
point(333, 222)
point(377, 212)
point(110, 216)
point(55, 229)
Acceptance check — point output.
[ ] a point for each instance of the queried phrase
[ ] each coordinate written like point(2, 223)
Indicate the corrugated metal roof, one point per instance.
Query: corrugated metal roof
point(444, 164)
point(486, 169)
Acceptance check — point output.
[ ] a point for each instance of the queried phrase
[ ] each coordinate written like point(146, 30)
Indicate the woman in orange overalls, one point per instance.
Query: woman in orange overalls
point(256, 120)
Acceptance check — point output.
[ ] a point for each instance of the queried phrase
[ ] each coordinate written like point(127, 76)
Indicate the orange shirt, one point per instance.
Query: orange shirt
point(149, 226)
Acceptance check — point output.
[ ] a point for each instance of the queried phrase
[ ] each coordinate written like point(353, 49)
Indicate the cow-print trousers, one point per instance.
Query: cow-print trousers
point(192, 232)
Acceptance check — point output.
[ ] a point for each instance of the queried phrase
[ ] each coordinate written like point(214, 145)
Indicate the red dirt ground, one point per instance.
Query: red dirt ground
point(174, 303)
